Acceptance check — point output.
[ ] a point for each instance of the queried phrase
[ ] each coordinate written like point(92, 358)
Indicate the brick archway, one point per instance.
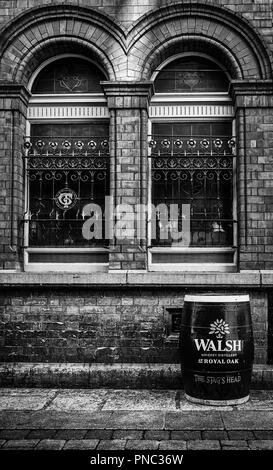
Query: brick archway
point(198, 27)
point(43, 32)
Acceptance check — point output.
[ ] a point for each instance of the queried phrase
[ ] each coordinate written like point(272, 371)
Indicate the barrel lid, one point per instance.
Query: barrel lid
point(216, 298)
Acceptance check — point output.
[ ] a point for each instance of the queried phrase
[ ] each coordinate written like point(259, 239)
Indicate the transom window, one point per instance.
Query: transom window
point(69, 75)
point(192, 75)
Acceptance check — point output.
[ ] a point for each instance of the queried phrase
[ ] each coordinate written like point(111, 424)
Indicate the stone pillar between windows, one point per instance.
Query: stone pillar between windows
point(254, 119)
point(128, 104)
point(13, 115)
point(254, 113)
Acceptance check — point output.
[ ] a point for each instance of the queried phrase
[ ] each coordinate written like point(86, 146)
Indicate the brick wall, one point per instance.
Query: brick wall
point(13, 125)
point(112, 326)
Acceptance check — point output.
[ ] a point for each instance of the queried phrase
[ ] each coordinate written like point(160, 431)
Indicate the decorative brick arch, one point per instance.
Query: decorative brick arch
point(41, 33)
point(198, 26)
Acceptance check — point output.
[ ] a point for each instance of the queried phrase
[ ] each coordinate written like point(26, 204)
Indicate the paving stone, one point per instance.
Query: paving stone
point(159, 435)
point(50, 444)
point(68, 434)
point(186, 435)
point(115, 444)
point(100, 434)
point(263, 434)
point(214, 435)
point(203, 445)
point(12, 419)
point(235, 448)
point(140, 400)
point(25, 399)
point(190, 420)
point(14, 433)
point(41, 434)
point(81, 444)
point(248, 420)
point(21, 444)
point(243, 434)
point(142, 445)
point(261, 445)
point(136, 420)
point(234, 443)
point(128, 434)
point(173, 445)
point(71, 400)
point(64, 420)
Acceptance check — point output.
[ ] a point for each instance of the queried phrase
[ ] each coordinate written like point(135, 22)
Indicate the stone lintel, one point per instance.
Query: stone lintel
point(128, 95)
point(13, 96)
point(252, 93)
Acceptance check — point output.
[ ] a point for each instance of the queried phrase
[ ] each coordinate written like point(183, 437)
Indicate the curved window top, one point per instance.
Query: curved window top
point(191, 75)
point(69, 75)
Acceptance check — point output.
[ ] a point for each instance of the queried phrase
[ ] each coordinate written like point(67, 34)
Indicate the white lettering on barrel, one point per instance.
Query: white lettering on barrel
point(220, 346)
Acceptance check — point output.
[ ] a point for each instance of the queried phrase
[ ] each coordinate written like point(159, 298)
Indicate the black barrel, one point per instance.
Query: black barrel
point(216, 346)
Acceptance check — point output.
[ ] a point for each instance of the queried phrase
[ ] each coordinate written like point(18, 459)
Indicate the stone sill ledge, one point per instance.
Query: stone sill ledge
point(85, 375)
point(243, 279)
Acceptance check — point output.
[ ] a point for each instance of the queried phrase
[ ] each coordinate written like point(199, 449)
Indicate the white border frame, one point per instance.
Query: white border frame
point(64, 267)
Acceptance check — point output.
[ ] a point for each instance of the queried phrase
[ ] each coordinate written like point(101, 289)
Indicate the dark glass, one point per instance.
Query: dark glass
point(68, 168)
point(70, 75)
point(191, 75)
point(193, 164)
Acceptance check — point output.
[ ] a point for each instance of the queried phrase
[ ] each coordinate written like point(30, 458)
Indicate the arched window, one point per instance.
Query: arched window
point(67, 166)
point(69, 76)
point(192, 155)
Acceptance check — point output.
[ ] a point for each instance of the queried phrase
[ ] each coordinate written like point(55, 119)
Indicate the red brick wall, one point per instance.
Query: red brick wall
point(115, 325)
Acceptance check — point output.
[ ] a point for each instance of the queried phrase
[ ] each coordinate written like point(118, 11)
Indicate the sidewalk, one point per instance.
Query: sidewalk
point(104, 419)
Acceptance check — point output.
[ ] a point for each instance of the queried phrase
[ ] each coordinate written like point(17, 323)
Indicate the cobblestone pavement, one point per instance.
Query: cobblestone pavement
point(100, 419)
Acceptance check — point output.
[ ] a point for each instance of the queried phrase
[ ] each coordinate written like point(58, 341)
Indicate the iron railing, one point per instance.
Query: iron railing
point(191, 145)
point(64, 175)
point(199, 172)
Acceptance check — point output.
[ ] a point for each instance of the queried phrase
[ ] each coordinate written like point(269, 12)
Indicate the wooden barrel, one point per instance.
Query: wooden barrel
point(216, 346)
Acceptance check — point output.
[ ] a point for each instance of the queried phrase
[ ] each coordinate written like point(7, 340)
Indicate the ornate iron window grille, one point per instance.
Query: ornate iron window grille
point(64, 175)
point(198, 171)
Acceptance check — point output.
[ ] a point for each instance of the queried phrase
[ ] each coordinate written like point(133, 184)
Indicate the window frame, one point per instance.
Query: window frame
point(65, 108)
point(177, 107)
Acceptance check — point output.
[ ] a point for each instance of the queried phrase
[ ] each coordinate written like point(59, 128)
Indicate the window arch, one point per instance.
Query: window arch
point(192, 160)
point(67, 166)
point(73, 75)
point(193, 74)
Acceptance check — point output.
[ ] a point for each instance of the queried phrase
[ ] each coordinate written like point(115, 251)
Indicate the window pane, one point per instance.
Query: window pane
point(191, 75)
point(68, 168)
point(196, 171)
point(70, 75)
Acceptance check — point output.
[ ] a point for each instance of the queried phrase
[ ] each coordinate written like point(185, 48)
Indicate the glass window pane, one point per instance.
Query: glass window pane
point(69, 75)
point(191, 75)
point(68, 168)
point(198, 171)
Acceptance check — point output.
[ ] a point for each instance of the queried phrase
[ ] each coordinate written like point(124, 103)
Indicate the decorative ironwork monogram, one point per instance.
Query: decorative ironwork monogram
point(66, 199)
point(190, 79)
point(70, 82)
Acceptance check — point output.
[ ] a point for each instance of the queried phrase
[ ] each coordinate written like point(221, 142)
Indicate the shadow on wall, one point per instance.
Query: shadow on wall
point(131, 11)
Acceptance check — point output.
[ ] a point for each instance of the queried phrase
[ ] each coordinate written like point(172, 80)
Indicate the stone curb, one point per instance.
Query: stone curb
point(82, 375)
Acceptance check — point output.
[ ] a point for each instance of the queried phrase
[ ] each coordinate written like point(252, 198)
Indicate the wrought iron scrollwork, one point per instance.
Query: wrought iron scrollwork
point(197, 171)
point(64, 175)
